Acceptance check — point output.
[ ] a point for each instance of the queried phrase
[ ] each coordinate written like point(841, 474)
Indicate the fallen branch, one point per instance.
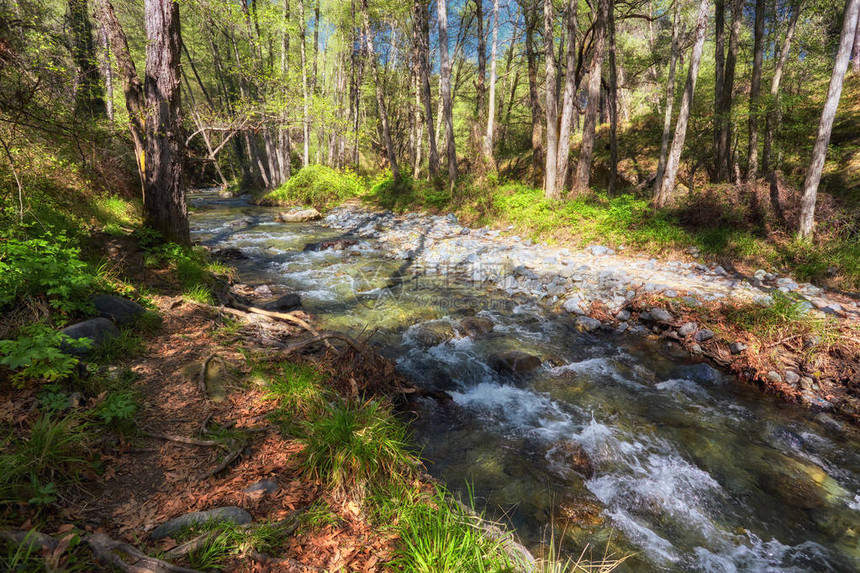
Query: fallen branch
point(783, 340)
point(109, 552)
point(290, 348)
point(229, 459)
point(183, 439)
point(285, 316)
point(192, 545)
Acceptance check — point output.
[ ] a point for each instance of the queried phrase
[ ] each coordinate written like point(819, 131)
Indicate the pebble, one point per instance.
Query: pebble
point(737, 347)
point(792, 377)
point(661, 315)
point(704, 335)
point(623, 315)
point(587, 324)
point(687, 329)
point(774, 376)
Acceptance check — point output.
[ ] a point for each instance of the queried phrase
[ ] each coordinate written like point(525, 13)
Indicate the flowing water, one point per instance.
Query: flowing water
point(689, 470)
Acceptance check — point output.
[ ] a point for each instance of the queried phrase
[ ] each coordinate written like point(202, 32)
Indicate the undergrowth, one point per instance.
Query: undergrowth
point(316, 185)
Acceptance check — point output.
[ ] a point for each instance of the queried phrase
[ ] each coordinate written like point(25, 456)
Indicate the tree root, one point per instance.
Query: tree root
point(30, 539)
point(109, 551)
point(229, 459)
point(183, 439)
point(192, 545)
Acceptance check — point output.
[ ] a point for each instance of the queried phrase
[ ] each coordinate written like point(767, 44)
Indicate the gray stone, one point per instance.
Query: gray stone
point(622, 327)
point(97, 330)
point(235, 515)
point(661, 315)
point(696, 349)
point(687, 329)
point(298, 216)
point(432, 333)
point(720, 271)
point(286, 303)
point(587, 324)
point(806, 383)
point(760, 274)
point(737, 347)
point(262, 487)
point(623, 315)
point(792, 377)
point(514, 362)
point(574, 305)
point(599, 250)
point(475, 326)
point(120, 310)
point(774, 376)
point(692, 301)
point(811, 341)
point(670, 293)
point(704, 335)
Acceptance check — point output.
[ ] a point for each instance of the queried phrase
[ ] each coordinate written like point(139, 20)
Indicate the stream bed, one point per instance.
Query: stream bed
point(617, 440)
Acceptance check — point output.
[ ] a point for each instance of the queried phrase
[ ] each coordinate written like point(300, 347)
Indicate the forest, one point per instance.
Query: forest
point(429, 285)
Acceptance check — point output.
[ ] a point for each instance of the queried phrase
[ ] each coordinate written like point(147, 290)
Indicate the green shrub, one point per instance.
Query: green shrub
point(35, 354)
point(316, 185)
point(355, 445)
point(296, 387)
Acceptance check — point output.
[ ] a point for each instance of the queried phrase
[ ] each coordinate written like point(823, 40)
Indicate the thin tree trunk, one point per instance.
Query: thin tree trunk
point(445, 73)
point(568, 106)
point(670, 97)
point(825, 125)
point(674, 160)
point(583, 166)
point(89, 96)
point(613, 102)
point(107, 70)
point(855, 51)
point(549, 187)
point(164, 203)
point(724, 161)
point(755, 88)
point(774, 113)
point(131, 85)
point(380, 99)
point(306, 130)
point(423, 32)
point(491, 114)
point(480, 84)
point(719, 81)
point(534, 102)
point(285, 143)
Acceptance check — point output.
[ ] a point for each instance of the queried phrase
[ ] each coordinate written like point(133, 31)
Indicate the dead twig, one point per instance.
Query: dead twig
point(228, 459)
point(290, 348)
point(183, 439)
point(109, 552)
point(783, 341)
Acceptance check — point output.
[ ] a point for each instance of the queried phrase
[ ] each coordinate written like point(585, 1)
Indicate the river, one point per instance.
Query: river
point(686, 468)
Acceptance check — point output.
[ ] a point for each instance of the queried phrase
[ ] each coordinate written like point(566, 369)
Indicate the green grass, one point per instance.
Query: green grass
point(296, 387)
point(316, 185)
point(228, 539)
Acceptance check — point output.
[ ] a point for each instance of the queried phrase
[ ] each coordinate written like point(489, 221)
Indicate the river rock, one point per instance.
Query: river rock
point(573, 456)
point(623, 315)
point(298, 216)
point(737, 347)
point(792, 377)
point(230, 514)
point(773, 376)
point(574, 305)
point(578, 510)
point(229, 254)
point(336, 245)
point(262, 487)
point(704, 335)
point(587, 324)
point(97, 330)
point(687, 329)
point(660, 315)
point(286, 303)
point(432, 333)
point(120, 310)
point(514, 361)
point(475, 326)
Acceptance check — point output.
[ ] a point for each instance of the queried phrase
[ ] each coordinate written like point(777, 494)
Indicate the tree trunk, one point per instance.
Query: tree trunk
point(285, 143)
point(613, 102)
point(674, 159)
point(755, 88)
point(534, 102)
point(568, 106)
point(549, 187)
point(423, 32)
point(774, 113)
point(380, 98)
point(480, 84)
point(491, 114)
point(306, 126)
point(583, 166)
point(670, 97)
point(107, 70)
point(131, 85)
point(724, 159)
point(855, 51)
point(445, 78)
point(825, 125)
point(89, 96)
point(164, 203)
point(719, 82)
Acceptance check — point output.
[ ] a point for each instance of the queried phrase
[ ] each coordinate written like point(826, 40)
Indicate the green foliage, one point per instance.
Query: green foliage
point(127, 345)
point(354, 445)
point(318, 516)
point(119, 407)
point(226, 539)
point(35, 354)
point(296, 388)
point(316, 185)
point(48, 266)
point(786, 312)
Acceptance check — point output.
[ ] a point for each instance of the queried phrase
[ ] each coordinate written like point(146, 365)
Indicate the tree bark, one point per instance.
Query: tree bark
point(107, 70)
point(719, 81)
point(583, 166)
point(855, 51)
point(491, 114)
point(534, 102)
point(670, 97)
point(380, 98)
point(723, 156)
point(755, 88)
point(774, 113)
point(306, 126)
point(549, 187)
point(423, 31)
point(89, 95)
point(480, 84)
point(568, 106)
point(613, 102)
point(164, 202)
point(131, 85)
point(445, 73)
point(674, 159)
point(828, 114)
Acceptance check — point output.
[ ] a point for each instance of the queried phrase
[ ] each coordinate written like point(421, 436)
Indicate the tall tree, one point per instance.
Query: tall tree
point(670, 96)
point(89, 95)
point(445, 80)
point(568, 105)
point(613, 101)
point(719, 80)
point(723, 154)
point(674, 160)
point(755, 88)
point(774, 112)
point(583, 166)
point(306, 122)
point(491, 114)
point(164, 200)
point(531, 19)
point(828, 114)
point(423, 32)
point(480, 80)
point(549, 186)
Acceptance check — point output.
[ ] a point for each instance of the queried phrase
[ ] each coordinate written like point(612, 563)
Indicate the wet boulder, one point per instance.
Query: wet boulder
point(587, 324)
point(120, 310)
point(474, 326)
point(229, 254)
point(514, 362)
point(298, 215)
point(96, 330)
point(432, 333)
point(571, 455)
point(336, 245)
point(579, 510)
point(285, 303)
point(235, 515)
